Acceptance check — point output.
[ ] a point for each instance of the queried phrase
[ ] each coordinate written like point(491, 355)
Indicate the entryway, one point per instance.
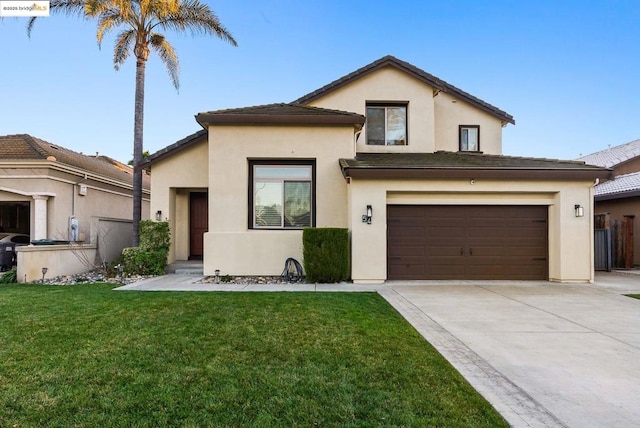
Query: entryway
point(198, 223)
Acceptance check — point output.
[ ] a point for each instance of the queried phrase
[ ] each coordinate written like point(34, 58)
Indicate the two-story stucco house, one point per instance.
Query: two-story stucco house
point(410, 164)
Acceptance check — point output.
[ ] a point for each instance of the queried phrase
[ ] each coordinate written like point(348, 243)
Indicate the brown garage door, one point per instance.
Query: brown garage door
point(467, 242)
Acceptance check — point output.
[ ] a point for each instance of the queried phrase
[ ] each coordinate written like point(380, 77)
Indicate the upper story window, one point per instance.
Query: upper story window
point(282, 194)
point(387, 124)
point(469, 138)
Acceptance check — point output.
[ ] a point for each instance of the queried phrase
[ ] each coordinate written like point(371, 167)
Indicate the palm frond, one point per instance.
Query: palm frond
point(197, 18)
point(123, 47)
point(67, 7)
point(107, 20)
point(168, 56)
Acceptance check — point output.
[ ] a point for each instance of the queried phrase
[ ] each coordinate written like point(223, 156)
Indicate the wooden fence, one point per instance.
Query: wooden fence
point(613, 248)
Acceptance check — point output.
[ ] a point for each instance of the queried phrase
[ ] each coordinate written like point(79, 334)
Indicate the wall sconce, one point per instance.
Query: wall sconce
point(366, 218)
point(158, 215)
point(579, 210)
point(44, 272)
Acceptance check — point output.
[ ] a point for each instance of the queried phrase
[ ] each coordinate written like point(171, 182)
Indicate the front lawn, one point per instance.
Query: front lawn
point(90, 356)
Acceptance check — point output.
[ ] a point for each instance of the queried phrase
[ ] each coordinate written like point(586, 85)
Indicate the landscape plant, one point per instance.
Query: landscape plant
point(150, 257)
point(9, 277)
point(325, 254)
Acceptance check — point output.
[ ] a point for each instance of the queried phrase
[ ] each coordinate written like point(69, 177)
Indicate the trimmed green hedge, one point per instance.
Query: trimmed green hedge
point(154, 235)
point(326, 254)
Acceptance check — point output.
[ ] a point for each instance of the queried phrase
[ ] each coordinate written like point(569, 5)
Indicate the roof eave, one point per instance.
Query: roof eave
point(180, 145)
point(618, 195)
point(467, 173)
point(207, 119)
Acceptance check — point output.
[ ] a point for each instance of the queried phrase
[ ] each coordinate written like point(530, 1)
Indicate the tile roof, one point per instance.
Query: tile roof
point(457, 164)
point(622, 186)
point(280, 113)
point(431, 80)
point(613, 156)
point(24, 147)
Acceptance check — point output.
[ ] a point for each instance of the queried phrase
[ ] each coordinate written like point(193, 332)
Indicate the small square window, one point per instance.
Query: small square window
point(469, 139)
point(387, 125)
point(282, 194)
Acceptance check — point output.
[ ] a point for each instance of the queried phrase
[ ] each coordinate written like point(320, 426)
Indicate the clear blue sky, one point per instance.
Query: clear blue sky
point(568, 71)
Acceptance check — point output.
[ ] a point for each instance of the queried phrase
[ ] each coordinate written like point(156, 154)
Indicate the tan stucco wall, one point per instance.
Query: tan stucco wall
point(569, 236)
point(172, 179)
point(618, 208)
point(230, 245)
point(58, 259)
point(432, 121)
point(101, 200)
point(451, 112)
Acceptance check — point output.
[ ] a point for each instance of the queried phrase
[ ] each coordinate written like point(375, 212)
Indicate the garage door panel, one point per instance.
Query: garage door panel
point(408, 231)
point(409, 251)
point(470, 242)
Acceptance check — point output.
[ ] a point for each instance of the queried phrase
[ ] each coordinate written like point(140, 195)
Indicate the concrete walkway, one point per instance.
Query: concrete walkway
point(543, 354)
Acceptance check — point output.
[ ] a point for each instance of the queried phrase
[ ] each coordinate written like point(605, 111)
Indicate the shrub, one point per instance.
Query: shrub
point(150, 257)
point(9, 277)
point(326, 254)
point(154, 235)
point(135, 260)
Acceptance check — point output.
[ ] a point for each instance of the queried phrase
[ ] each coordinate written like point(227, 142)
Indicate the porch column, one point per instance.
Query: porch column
point(40, 217)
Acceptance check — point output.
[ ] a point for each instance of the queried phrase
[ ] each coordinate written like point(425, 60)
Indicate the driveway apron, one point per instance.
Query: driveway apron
point(543, 354)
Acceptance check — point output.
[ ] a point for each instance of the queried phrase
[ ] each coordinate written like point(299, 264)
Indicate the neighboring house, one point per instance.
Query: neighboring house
point(410, 164)
point(50, 192)
point(619, 197)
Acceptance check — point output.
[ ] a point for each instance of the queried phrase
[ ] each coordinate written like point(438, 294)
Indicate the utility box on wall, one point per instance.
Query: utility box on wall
point(82, 190)
point(74, 231)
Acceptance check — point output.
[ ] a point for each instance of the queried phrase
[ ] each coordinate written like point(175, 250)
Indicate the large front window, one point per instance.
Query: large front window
point(387, 125)
point(282, 195)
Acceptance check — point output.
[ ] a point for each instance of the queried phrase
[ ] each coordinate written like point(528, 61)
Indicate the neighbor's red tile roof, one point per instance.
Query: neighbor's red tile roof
point(23, 147)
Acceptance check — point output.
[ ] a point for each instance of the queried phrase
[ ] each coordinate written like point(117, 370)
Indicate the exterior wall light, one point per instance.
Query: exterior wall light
point(579, 210)
point(158, 215)
point(366, 218)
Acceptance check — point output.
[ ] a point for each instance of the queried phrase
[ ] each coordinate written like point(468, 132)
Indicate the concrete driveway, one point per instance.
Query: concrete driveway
point(543, 354)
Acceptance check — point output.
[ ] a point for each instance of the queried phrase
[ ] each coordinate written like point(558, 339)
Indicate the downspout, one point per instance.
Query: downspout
point(591, 227)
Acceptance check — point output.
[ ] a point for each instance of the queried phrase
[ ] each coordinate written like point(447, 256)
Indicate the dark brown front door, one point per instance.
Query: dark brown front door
point(467, 242)
point(198, 223)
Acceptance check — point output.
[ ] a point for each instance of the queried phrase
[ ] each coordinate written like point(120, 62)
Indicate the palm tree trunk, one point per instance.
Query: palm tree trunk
point(138, 126)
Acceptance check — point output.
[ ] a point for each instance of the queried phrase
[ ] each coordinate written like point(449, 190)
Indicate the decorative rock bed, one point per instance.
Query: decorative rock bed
point(247, 280)
point(99, 277)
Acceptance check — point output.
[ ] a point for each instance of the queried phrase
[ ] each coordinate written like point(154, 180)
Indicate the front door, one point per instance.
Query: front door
point(198, 223)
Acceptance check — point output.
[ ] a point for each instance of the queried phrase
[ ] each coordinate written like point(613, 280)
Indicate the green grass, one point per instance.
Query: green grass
point(88, 356)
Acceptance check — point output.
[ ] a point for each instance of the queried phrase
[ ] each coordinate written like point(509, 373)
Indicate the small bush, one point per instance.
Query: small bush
point(326, 254)
point(9, 277)
point(135, 260)
point(150, 257)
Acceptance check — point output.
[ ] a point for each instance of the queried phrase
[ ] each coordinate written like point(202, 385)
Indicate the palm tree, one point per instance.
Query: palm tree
point(140, 21)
